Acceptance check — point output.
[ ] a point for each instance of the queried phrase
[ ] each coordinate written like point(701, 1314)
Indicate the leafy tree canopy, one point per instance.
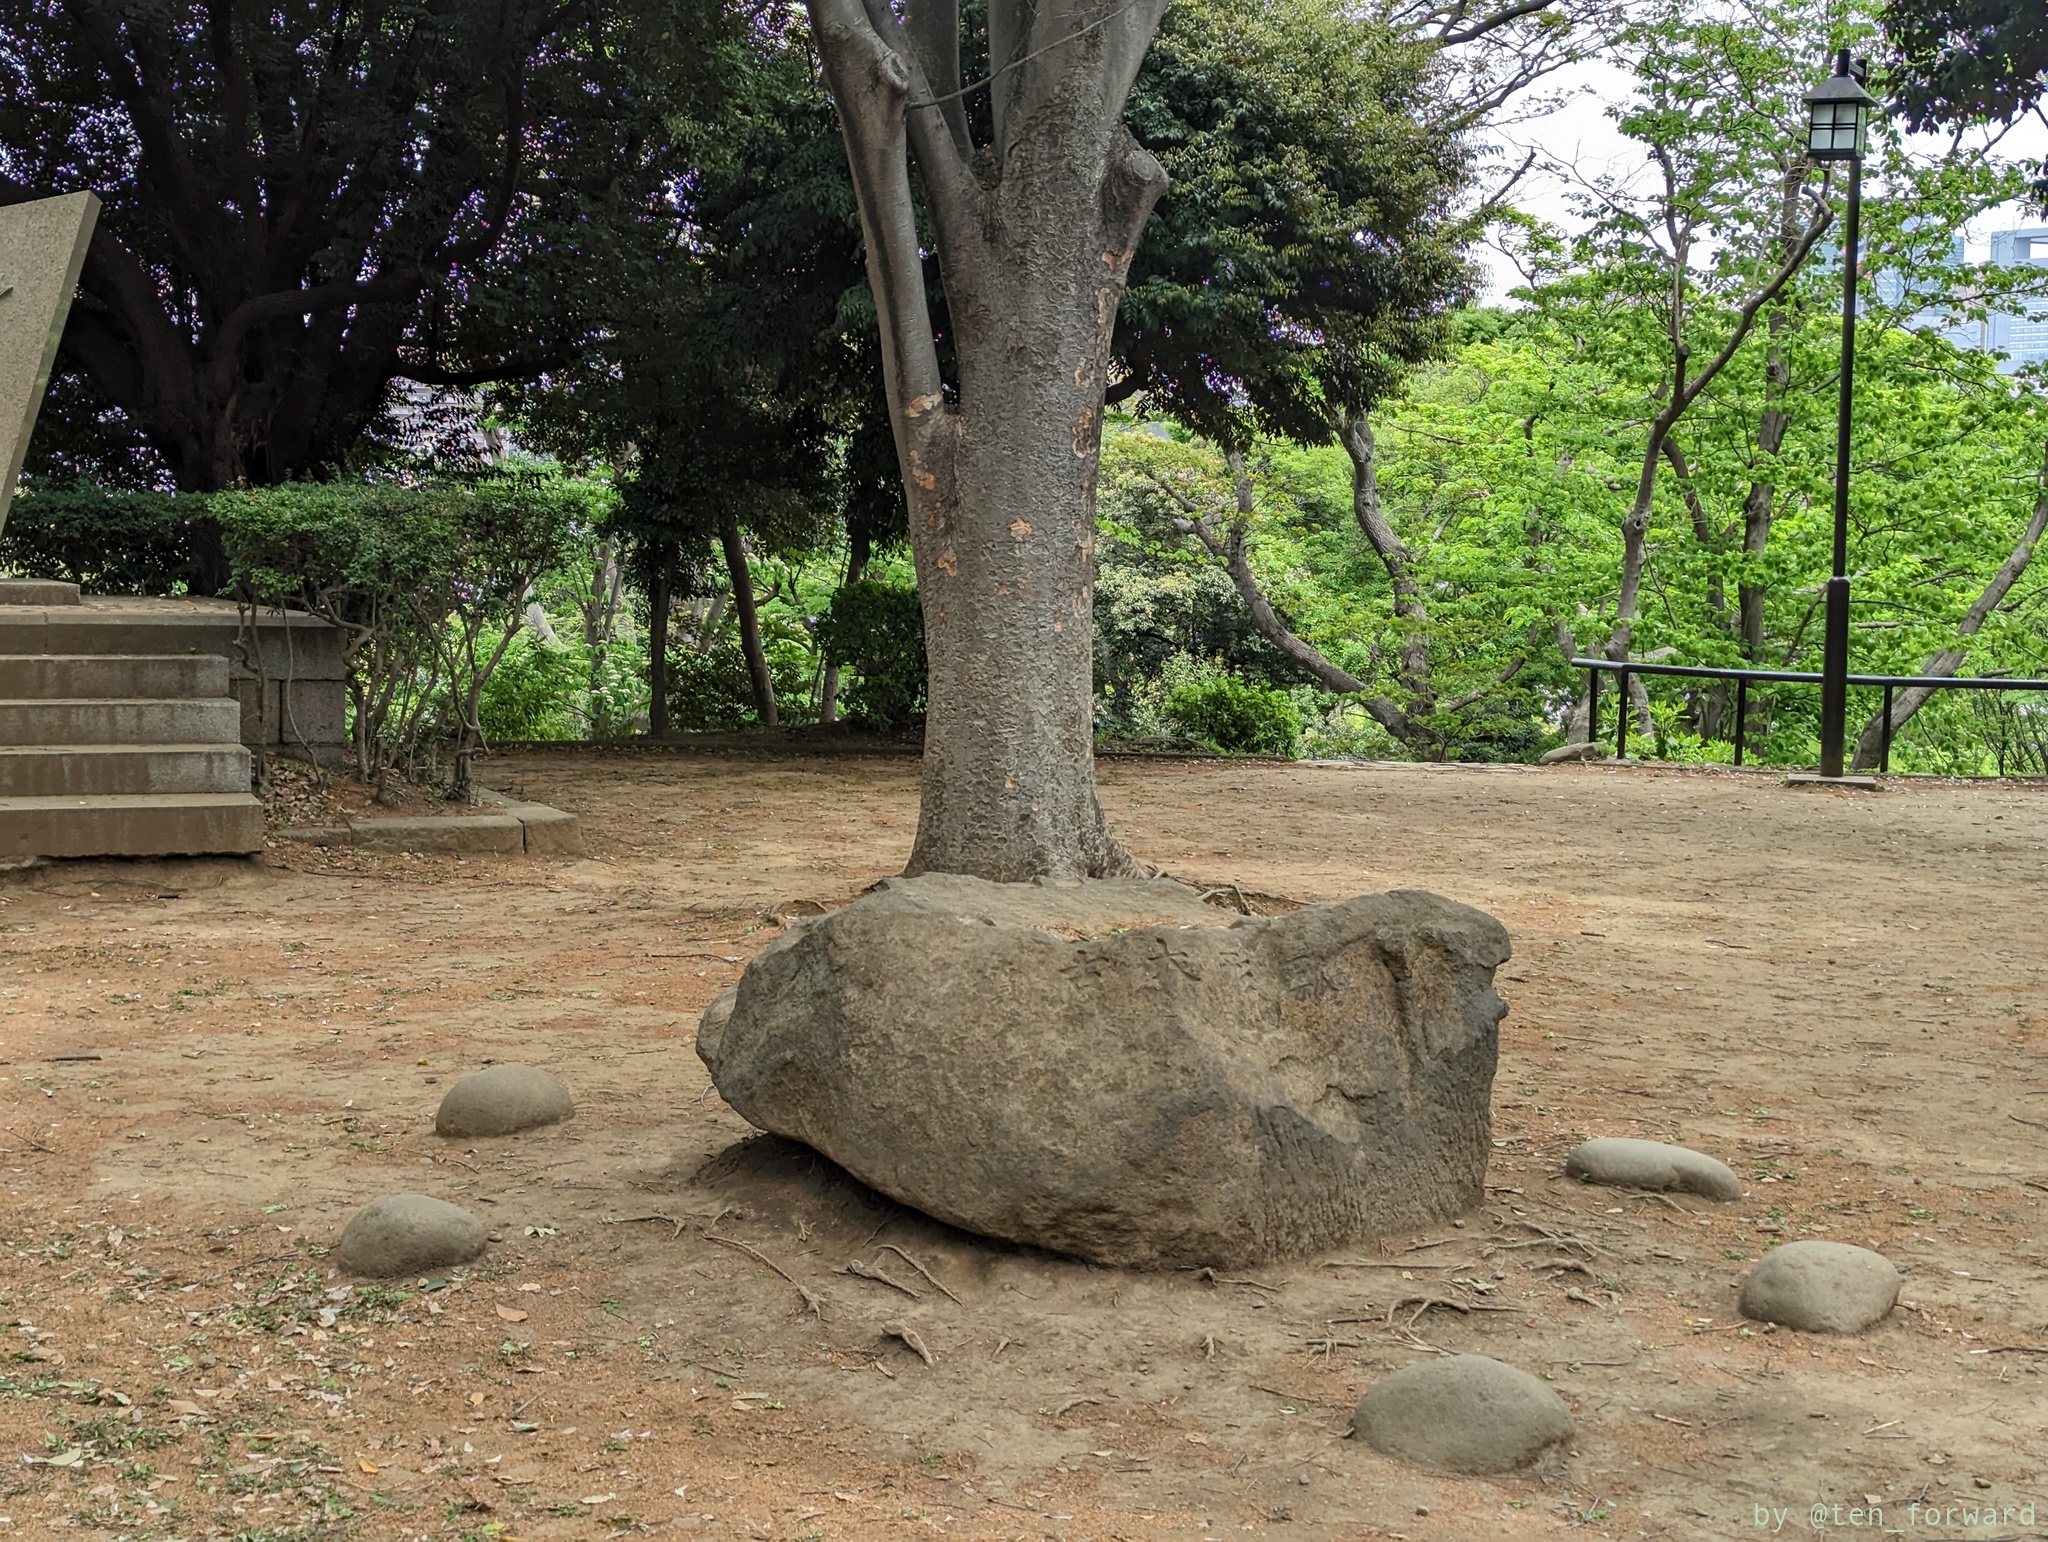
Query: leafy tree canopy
point(302, 202)
point(1968, 61)
point(1307, 248)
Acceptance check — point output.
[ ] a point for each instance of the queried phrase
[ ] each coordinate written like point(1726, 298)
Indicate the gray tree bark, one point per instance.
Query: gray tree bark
point(763, 682)
point(1870, 743)
point(658, 600)
point(1035, 235)
point(1354, 430)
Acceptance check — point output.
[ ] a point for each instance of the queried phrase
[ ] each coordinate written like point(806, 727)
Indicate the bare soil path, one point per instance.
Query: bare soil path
point(208, 1066)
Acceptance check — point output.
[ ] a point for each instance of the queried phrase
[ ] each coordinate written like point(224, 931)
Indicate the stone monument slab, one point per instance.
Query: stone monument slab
point(42, 248)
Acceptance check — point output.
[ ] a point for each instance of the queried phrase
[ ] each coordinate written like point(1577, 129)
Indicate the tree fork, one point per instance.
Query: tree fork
point(1000, 482)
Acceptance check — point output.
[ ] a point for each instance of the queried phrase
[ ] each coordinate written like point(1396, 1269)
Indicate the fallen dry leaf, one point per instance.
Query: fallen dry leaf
point(364, 1464)
point(511, 1314)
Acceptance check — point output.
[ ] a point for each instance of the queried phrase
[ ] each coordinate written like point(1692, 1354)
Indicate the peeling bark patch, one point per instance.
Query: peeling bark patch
point(1019, 528)
point(1084, 435)
point(918, 406)
point(949, 563)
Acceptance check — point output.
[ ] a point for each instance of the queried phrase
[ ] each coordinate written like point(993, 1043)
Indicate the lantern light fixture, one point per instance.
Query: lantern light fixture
point(1838, 113)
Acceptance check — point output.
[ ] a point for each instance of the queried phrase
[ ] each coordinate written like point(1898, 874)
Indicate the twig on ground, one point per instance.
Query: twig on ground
point(628, 1220)
point(1329, 1343)
point(1211, 1277)
point(1073, 1402)
point(870, 1272)
point(1429, 1301)
point(921, 1269)
point(1666, 1199)
point(2036, 1123)
point(812, 1300)
point(1571, 1360)
point(1295, 1397)
point(909, 1335)
point(1393, 1263)
point(2013, 1349)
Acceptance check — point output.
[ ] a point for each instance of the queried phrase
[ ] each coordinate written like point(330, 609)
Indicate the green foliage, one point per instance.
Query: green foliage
point(428, 584)
point(532, 693)
point(105, 542)
point(877, 630)
point(1968, 61)
point(711, 692)
point(1233, 715)
point(458, 188)
point(1307, 251)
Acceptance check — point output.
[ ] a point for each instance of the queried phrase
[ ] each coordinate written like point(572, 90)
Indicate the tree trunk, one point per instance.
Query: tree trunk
point(858, 547)
point(658, 598)
point(1355, 431)
point(1035, 235)
point(1760, 505)
point(1870, 743)
point(750, 620)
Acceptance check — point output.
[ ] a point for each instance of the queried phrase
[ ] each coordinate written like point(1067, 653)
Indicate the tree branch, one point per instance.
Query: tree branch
point(1870, 743)
point(1493, 23)
point(870, 81)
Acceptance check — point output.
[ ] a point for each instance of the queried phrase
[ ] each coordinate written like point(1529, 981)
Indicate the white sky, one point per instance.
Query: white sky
point(1580, 132)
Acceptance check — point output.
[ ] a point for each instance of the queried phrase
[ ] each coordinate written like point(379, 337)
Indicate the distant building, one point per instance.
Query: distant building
point(2022, 336)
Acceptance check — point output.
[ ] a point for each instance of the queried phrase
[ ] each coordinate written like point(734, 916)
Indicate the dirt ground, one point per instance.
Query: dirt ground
point(208, 1066)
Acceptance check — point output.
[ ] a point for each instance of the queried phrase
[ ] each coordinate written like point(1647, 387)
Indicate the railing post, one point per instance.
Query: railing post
point(1621, 715)
point(1592, 705)
point(1885, 762)
point(1741, 715)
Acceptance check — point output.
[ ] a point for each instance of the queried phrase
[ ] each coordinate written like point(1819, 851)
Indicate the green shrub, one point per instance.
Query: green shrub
point(534, 693)
point(1235, 716)
point(106, 543)
point(877, 630)
point(711, 692)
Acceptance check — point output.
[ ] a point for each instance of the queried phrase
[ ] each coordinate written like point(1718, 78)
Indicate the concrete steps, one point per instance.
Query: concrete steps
point(118, 752)
point(117, 720)
point(131, 825)
point(84, 770)
point(47, 676)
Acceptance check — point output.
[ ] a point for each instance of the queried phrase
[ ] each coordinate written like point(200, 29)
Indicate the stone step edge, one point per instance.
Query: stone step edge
point(534, 829)
point(170, 747)
point(60, 800)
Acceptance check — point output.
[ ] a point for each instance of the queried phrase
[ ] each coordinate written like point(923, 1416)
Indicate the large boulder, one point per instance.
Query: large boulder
point(1106, 1068)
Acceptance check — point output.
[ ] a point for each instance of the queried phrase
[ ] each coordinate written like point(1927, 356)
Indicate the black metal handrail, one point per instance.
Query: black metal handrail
point(1624, 668)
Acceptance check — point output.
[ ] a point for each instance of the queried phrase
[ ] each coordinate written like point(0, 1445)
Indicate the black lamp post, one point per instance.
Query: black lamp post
point(1838, 110)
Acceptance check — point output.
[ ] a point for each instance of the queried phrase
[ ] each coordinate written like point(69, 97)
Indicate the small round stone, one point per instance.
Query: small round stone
point(1821, 1287)
point(502, 1101)
point(406, 1233)
point(1622, 1163)
point(1466, 1413)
